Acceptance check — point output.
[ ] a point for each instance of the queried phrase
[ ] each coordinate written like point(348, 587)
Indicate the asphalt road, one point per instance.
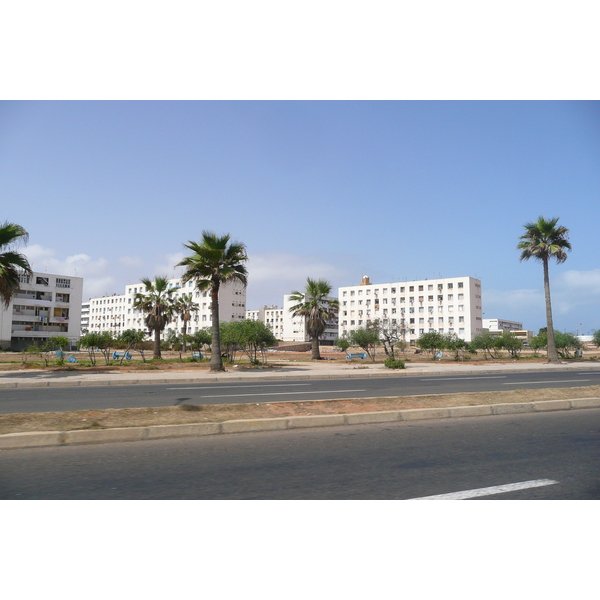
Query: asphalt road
point(528, 456)
point(86, 398)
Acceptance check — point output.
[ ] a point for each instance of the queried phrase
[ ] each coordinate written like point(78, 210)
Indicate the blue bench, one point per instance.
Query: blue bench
point(71, 359)
point(117, 355)
point(362, 355)
point(197, 355)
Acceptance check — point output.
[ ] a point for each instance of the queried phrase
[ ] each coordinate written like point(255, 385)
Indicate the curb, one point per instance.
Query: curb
point(42, 439)
point(363, 374)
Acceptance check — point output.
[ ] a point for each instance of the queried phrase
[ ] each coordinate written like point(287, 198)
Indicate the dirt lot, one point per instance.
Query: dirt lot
point(141, 417)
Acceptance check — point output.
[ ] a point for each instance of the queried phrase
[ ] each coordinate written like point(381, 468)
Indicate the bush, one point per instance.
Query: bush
point(394, 364)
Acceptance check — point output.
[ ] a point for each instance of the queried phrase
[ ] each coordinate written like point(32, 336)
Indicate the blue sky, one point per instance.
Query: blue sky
point(337, 189)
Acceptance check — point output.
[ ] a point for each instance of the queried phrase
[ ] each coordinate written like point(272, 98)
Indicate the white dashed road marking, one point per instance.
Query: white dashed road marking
point(490, 491)
point(555, 381)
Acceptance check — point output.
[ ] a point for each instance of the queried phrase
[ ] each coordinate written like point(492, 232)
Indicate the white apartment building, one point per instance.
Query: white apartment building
point(272, 316)
point(294, 328)
point(116, 313)
point(449, 305)
point(45, 306)
point(501, 325)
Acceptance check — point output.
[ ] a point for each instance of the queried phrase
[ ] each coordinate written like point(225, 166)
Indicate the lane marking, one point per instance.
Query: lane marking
point(592, 373)
point(224, 387)
point(555, 381)
point(279, 393)
point(490, 491)
point(455, 378)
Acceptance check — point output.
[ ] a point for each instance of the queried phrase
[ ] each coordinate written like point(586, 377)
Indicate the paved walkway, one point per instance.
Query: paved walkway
point(293, 370)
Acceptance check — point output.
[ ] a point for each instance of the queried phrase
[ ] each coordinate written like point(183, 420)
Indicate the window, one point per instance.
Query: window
point(42, 281)
point(450, 286)
point(23, 278)
point(450, 297)
point(62, 297)
point(393, 290)
point(430, 288)
point(460, 285)
point(420, 288)
point(411, 288)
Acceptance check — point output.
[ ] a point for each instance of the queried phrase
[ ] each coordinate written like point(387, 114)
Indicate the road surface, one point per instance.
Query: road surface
point(528, 456)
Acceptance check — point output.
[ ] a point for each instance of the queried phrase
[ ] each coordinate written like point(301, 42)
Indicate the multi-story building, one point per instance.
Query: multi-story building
point(294, 328)
point(444, 305)
point(501, 325)
point(45, 306)
point(116, 313)
point(272, 316)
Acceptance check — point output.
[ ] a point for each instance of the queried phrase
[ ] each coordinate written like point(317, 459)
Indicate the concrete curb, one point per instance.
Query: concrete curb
point(132, 434)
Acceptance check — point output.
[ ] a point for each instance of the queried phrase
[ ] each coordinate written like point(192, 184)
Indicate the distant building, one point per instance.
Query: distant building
point(272, 316)
point(116, 313)
point(502, 325)
point(45, 306)
point(450, 305)
point(287, 328)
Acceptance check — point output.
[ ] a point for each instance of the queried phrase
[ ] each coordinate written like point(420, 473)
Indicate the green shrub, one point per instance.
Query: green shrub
point(394, 364)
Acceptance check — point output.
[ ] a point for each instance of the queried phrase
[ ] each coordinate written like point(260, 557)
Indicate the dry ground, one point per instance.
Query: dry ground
point(141, 417)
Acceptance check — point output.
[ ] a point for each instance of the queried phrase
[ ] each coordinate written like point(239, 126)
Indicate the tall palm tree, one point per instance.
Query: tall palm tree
point(543, 240)
point(184, 308)
point(214, 262)
point(12, 264)
point(316, 306)
point(156, 302)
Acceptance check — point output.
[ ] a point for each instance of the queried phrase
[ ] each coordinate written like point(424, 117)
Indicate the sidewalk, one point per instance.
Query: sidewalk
point(294, 370)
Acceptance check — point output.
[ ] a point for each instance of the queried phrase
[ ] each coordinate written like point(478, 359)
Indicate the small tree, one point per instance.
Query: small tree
point(565, 343)
point(131, 339)
point(366, 338)
point(458, 346)
point(343, 344)
point(105, 344)
point(538, 342)
point(391, 333)
point(90, 341)
point(511, 343)
point(596, 337)
point(431, 342)
point(490, 344)
point(230, 336)
point(200, 339)
point(255, 336)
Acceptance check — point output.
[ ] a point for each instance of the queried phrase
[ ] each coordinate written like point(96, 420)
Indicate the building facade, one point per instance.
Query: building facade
point(45, 306)
point(116, 313)
point(449, 305)
point(287, 328)
point(272, 316)
point(501, 325)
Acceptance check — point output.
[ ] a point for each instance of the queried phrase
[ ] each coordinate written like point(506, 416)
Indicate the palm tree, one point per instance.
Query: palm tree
point(12, 264)
point(156, 303)
point(184, 307)
point(316, 306)
point(215, 261)
point(543, 240)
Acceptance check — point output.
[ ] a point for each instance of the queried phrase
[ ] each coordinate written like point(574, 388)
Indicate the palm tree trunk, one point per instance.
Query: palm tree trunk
point(157, 355)
point(316, 354)
point(184, 331)
point(216, 362)
point(552, 353)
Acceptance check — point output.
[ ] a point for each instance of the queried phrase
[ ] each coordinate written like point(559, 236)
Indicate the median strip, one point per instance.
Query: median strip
point(37, 439)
